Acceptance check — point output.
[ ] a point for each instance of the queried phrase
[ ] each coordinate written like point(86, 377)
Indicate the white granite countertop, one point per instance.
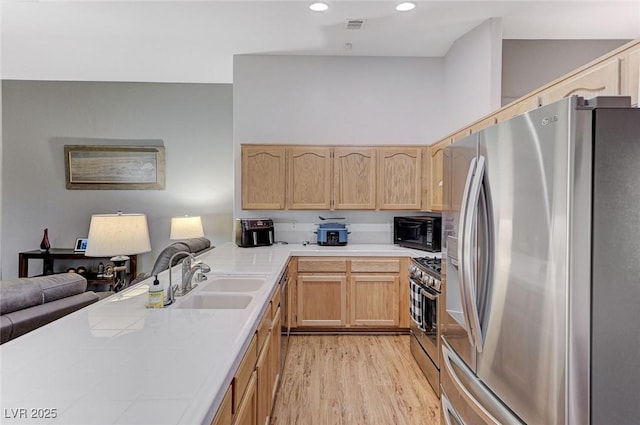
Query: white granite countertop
point(117, 362)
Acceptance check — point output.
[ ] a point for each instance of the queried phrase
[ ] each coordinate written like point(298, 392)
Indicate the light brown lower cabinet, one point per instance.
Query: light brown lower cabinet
point(264, 382)
point(274, 356)
point(322, 300)
point(351, 292)
point(246, 414)
point(224, 415)
point(375, 300)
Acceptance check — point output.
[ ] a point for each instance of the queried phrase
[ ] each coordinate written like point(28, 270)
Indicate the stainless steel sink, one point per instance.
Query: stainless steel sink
point(232, 284)
point(215, 301)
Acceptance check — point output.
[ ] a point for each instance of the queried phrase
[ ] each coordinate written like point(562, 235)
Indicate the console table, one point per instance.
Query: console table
point(49, 257)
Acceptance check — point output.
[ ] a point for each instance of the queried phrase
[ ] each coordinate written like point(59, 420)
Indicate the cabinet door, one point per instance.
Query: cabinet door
point(375, 300)
point(274, 357)
point(224, 415)
point(354, 178)
point(247, 414)
point(400, 178)
point(520, 107)
point(630, 74)
point(263, 177)
point(309, 178)
point(322, 300)
point(263, 371)
point(436, 153)
point(599, 80)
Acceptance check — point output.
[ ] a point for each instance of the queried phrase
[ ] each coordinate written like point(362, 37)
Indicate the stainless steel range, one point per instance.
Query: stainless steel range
point(425, 309)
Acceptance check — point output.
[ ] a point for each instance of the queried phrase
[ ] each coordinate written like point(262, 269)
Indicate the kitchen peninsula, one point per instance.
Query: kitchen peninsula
point(118, 362)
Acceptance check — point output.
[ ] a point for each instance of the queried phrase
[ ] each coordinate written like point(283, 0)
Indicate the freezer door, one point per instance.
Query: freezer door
point(464, 399)
point(523, 309)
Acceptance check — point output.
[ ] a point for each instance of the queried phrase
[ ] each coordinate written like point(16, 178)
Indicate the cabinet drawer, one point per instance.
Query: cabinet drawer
point(320, 264)
point(263, 329)
point(224, 415)
point(243, 374)
point(375, 265)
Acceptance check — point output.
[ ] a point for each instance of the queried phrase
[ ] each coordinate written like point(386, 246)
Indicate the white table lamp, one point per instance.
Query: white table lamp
point(186, 227)
point(118, 235)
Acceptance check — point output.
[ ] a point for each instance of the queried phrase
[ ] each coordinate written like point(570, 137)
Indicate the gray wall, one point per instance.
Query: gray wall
point(473, 75)
point(334, 100)
point(194, 121)
point(529, 64)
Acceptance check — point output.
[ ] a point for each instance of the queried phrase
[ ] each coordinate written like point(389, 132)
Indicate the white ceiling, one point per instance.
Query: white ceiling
point(188, 41)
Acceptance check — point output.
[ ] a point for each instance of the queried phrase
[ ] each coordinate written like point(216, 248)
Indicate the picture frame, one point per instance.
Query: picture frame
point(114, 167)
point(81, 245)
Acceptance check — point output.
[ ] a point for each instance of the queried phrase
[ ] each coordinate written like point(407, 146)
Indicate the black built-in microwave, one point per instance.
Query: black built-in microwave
point(419, 232)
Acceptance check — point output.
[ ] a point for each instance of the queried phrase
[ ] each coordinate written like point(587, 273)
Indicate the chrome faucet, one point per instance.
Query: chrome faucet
point(196, 271)
point(172, 290)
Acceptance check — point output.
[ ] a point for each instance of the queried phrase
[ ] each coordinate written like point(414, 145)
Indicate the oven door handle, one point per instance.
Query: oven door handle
point(428, 295)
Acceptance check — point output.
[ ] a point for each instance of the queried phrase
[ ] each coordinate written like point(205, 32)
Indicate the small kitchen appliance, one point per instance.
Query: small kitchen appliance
point(332, 234)
point(254, 232)
point(419, 232)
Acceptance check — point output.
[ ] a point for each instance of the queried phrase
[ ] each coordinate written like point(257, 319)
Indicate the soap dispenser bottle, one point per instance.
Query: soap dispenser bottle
point(156, 294)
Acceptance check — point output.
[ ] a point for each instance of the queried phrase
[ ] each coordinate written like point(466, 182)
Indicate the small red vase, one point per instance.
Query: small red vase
point(45, 245)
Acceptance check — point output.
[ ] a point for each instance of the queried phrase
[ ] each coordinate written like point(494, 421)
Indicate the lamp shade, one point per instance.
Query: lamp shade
point(186, 227)
point(118, 234)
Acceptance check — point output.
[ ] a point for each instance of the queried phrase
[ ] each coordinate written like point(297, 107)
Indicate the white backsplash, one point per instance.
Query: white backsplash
point(360, 233)
point(365, 227)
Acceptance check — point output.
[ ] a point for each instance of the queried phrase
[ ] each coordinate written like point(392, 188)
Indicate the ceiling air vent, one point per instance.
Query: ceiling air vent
point(354, 24)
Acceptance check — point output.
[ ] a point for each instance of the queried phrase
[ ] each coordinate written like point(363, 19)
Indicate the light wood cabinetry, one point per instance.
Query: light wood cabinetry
point(243, 374)
point(309, 178)
point(436, 155)
point(600, 80)
point(630, 75)
point(274, 356)
point(322, 300)
point(263, 369)
point(400, 178)
point(263, 177)
point(224, 415)
point(375, 300)
point(299, 177)
point(355, 172)
point(246, 413)
point(351, 292)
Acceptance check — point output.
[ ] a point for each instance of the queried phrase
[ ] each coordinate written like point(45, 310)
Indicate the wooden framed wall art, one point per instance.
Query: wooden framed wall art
point(114, 167)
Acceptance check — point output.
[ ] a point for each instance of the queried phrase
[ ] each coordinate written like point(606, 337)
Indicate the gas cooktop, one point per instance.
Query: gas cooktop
point(427, 271)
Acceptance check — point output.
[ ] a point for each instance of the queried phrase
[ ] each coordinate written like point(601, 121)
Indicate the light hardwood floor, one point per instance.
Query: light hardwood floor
point(353, 380)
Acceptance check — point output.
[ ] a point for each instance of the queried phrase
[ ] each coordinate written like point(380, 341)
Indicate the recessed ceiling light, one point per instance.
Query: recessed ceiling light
point(318, 6)
point(405, 7)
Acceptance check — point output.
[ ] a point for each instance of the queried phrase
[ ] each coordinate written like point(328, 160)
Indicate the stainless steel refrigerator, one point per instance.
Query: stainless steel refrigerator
point(542, 322)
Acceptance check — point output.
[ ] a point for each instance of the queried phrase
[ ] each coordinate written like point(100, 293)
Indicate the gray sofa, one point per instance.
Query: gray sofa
point(31, 302)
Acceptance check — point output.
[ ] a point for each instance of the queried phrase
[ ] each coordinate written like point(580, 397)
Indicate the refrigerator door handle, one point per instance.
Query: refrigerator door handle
point(448, 412)
point(471, 401)
point(461, 248)
point(468, 269)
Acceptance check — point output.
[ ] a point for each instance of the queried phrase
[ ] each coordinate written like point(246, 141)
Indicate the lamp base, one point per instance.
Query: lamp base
point(120, 272)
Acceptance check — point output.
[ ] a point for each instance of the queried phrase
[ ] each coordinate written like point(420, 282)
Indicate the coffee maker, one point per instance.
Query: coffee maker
point(254, 232)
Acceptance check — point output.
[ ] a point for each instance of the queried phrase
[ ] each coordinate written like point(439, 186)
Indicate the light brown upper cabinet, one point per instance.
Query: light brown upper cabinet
point(332, 177)
point(400, 178)
point(436, 154)
point(600, 80)
point(263, 177)
point(630, 75)
point(354, 178)
point(309, 178)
